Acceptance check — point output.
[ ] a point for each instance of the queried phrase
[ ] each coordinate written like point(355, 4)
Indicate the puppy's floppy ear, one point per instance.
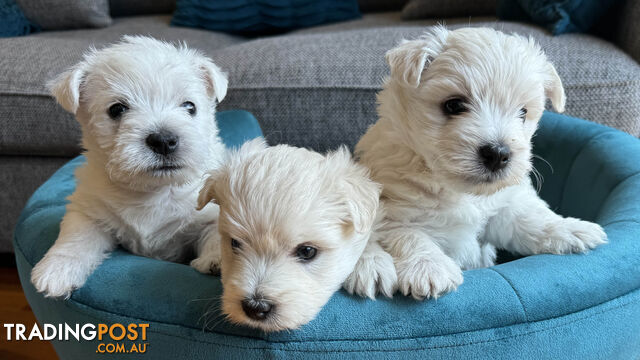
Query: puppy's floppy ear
point(361, 195)
point(208, 192)
point(216, 79)
point(66, 87)
point(251, 147)
point(409, 59)
point(553, 88)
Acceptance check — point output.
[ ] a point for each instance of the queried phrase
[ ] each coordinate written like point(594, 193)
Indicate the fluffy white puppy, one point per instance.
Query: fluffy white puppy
point(293, 223)
point(452, 149)
point(147, 113)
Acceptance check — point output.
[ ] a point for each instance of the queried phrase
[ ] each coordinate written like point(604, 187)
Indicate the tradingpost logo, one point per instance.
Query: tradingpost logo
point(111, 338)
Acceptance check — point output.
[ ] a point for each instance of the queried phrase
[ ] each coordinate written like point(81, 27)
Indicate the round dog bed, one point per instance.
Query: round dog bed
point(547, 306)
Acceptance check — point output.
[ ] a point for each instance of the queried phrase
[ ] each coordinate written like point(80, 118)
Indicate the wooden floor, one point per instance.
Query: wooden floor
point(15, 309)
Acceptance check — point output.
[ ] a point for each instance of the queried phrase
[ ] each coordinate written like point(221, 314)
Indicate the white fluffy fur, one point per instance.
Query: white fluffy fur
point(444, 211)
point(120, 198)
point(273, 200)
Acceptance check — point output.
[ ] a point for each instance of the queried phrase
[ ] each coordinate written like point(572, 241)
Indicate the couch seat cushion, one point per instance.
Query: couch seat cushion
point(33, 124)
point(318, 88)
point(313, 87)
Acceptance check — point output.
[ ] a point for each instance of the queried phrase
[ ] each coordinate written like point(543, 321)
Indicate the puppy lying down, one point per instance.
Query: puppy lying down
point(292, 225)
point(452, 150)
point(147, 113)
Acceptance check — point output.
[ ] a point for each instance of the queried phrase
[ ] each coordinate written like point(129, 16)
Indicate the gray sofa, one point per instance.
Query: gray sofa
point(313, 87)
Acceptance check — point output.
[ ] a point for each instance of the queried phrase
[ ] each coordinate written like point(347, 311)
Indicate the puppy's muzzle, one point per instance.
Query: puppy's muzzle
point(495, 157)
point(257, 308)
point(163, 142)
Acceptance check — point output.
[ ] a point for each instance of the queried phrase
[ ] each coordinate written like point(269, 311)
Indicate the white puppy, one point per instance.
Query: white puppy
point(293, 223)
point(147, 112)
point(452, 149)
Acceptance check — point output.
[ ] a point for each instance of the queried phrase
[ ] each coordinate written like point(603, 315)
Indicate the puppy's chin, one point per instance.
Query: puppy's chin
point(489, 185)
point(171, 174)
point(154, 177)
point(482, 184)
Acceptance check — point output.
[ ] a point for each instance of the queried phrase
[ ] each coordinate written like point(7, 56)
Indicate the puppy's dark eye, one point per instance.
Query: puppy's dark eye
point(116, 110)
point(523, 113)
point(454, 106)
point(235, 244)
point(191, 107)
point(306, 252)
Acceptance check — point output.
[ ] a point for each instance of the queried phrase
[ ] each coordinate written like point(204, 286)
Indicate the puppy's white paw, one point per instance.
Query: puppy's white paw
point(207, 264)
point(573, 235)
point(58, 275)
point(425, 277)
point(488, 255)
point(374, 273)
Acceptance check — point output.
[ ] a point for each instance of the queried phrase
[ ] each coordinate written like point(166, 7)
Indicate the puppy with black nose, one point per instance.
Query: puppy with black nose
point(452, 149)
point(293, 223)
point(147, 113)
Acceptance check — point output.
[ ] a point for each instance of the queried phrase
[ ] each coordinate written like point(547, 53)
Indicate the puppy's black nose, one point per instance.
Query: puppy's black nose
point(257, 309)
point(495, 157)
point(162, 142)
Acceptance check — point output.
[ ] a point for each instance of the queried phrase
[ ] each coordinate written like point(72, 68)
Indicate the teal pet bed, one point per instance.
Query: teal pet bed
point(538, 307)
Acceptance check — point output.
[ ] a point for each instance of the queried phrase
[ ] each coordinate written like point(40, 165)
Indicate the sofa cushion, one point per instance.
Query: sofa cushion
point(313, 87)
point(12, 20)
point(381, 5)
point(318, 88)
point(582, 306)
point(141, 7)
point(66, 14)
point(559, 16)
point(257, 17)
point(420, 9)
point(33, 124)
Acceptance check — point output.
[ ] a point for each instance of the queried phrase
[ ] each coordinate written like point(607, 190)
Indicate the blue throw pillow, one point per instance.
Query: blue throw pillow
point(12, 20)
point(558, 16)
point(253, 16)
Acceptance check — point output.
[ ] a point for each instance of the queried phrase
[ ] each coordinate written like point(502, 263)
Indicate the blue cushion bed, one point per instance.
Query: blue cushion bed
point(538, 307)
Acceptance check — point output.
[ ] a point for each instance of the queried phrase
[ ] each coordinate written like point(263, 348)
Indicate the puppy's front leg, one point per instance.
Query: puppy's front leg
point(374, 273)
point(209, 254)
point(526, 225)
point(81, 246)
point(424, 270)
